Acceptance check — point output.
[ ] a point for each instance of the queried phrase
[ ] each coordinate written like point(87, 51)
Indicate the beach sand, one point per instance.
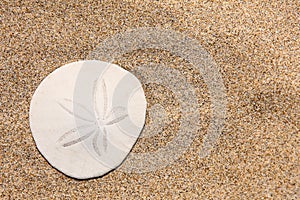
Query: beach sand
point(256, 48)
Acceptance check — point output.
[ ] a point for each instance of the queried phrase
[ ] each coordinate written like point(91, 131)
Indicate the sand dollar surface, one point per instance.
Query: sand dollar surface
point(86, 116)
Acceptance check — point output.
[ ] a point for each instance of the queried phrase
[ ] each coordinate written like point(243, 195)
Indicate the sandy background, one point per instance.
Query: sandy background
point(256, 46)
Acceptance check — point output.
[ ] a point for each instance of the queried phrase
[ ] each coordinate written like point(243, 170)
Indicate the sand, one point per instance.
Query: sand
point(256, 48)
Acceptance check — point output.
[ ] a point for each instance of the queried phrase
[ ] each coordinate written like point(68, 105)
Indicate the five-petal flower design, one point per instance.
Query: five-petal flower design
point(97, 123)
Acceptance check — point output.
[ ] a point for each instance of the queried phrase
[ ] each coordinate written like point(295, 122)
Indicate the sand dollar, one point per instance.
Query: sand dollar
point(86, 116)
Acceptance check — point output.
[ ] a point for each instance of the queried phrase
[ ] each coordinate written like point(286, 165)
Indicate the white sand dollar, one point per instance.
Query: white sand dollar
point(86, 116)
